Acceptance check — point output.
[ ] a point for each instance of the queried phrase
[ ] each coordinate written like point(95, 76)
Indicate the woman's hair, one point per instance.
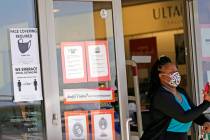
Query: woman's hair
point(154, 75)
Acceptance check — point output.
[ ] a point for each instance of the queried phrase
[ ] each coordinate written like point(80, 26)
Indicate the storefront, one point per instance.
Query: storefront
point(63, 73)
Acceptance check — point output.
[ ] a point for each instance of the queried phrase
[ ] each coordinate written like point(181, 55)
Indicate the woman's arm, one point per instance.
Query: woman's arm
point(166, 103)
point(201, 119)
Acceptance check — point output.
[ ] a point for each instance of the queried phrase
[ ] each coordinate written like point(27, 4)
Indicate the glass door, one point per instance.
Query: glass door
point(87, 66)
point(199, 31)
point(160, 33)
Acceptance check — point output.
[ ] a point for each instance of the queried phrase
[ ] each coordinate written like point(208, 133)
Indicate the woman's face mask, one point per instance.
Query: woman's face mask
point(175, 79)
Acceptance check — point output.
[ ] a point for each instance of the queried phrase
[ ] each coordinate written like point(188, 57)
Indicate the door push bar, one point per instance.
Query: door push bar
point(128, 128)
point(137, 94)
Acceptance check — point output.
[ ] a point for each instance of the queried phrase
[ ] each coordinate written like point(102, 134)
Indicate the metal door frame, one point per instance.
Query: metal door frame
point(50, 73)
point(193, 55)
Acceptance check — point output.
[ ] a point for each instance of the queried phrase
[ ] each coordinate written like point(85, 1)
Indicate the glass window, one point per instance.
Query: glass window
point(202, 29)
point(201, 50)
point(17, 120)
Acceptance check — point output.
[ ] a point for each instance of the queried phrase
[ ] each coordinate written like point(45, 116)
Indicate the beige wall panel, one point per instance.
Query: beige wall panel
point(141, 18)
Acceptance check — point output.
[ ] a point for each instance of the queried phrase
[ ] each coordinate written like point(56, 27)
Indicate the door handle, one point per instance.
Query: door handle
point(128, 127)
point(55, 119)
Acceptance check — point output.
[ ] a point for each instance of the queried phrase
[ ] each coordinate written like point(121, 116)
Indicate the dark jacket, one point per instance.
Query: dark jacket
point(164, 107)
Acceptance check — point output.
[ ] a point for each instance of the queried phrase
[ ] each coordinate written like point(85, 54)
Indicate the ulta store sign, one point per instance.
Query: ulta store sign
point(167, 12)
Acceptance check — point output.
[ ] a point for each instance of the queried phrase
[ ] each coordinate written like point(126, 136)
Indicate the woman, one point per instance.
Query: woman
point(172, 112)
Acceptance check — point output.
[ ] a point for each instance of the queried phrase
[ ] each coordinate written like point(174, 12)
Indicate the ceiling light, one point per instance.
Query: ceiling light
point(56, 10)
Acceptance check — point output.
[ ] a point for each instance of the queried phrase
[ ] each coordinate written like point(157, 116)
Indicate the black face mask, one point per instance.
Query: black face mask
point(24, 46)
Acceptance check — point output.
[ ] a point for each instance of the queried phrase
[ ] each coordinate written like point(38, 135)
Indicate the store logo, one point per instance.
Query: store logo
point(78, 129)
point(24, 46)
point(167, 12)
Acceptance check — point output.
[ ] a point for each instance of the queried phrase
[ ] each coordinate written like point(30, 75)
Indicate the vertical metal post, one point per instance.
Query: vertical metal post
point(49, 70)
point(121, 66)
point(137, 95)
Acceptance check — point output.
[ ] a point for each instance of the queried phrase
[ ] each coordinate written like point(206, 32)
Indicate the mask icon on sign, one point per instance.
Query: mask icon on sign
point(24, 46)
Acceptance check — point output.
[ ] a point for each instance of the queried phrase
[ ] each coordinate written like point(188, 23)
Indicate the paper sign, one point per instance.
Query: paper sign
point(24, 46)
point(208, 76)
point(73, 62)
point(85, 61)
point(103, 125)
point(73, 96)
point(142, 59)
point(98, 61)
point(25, 64)
point(205, 41)
point(27, 83)
point(76, 125)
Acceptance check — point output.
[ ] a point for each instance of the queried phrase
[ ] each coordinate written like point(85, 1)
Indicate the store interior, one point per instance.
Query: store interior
point(152, 29)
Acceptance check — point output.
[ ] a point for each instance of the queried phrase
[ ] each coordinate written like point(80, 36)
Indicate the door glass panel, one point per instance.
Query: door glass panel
point(22, 120)
point(87, 70)
point(200, 30)
point(161, 32)
point(202, 36)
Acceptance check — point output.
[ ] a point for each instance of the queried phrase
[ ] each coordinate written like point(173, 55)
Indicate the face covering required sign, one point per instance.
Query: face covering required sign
point(25, 64)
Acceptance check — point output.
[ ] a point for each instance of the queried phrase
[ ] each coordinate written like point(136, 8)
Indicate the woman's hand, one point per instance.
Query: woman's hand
point(206, 96)
point(206, 127)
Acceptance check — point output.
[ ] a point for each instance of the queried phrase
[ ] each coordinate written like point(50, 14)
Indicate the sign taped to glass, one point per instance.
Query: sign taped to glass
point(103, 125)
point(76, 125)
point(98, 61)
point(25, 64)
point(86, 61)
point(75, 96)
point(73, 62)
point(205, 40)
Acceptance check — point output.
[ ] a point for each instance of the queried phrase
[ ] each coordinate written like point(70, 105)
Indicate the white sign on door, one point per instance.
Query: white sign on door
point(103, 125)
point(24, 46)
point(76, 125)
point(72, 96)
point(205, 40)
point(25, 64)
point(208, 76)
point(74, 62)
point(98, 60)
